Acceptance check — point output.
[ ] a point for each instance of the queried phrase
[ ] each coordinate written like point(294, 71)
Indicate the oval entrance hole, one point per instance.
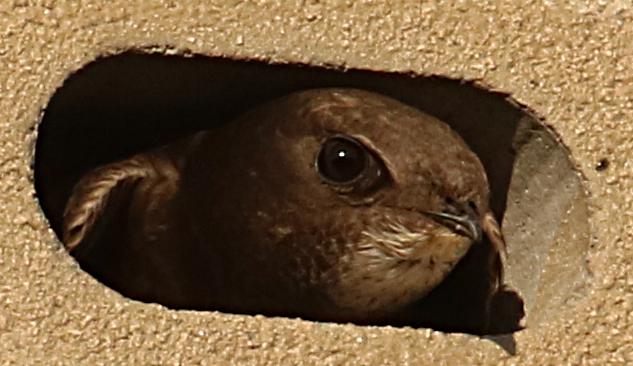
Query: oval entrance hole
point(121, 105)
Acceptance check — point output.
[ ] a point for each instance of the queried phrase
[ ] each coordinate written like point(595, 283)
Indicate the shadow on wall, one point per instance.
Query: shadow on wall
point(125, 104)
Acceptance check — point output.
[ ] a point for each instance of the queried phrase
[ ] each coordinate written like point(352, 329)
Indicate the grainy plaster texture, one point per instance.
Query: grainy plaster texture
point(571, 64)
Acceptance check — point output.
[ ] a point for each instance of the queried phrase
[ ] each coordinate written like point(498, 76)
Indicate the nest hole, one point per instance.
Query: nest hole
point(124, 104)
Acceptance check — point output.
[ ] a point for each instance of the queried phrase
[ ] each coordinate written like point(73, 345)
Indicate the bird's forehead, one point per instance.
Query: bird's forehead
point(352, 110)
point(387, 126)
point(355, 113)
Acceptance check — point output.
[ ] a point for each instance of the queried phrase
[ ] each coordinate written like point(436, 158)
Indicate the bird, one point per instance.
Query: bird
point(328, 204)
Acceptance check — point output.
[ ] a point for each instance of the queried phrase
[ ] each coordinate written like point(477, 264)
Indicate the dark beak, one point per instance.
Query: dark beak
point(467, 224)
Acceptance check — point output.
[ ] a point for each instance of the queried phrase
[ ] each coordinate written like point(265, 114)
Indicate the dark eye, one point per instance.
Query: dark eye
point(342, 159)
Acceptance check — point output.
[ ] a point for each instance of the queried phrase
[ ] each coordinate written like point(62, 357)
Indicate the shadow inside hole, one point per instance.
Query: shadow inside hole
point(125, 104)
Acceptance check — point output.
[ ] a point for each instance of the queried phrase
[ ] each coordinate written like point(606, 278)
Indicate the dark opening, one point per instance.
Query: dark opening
point(602, 165)
point(125, 104)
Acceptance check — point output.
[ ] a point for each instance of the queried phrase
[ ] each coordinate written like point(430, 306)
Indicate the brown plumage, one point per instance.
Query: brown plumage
point(329, 204)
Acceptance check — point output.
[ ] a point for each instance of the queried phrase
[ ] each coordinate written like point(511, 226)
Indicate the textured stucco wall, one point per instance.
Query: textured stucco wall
point(572, 65)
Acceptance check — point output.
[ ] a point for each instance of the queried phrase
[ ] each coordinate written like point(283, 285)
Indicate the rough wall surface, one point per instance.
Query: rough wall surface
point(572, 65)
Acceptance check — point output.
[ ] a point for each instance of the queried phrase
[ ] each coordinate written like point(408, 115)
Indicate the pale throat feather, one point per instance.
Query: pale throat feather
point(394, 265)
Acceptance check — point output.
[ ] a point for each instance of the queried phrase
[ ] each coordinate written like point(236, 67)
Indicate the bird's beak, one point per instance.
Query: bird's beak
point(467, 224)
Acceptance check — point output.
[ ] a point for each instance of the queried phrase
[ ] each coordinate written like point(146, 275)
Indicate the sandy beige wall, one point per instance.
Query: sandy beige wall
point(572, 65)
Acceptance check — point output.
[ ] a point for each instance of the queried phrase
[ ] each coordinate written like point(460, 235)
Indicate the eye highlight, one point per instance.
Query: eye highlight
point(342, 160)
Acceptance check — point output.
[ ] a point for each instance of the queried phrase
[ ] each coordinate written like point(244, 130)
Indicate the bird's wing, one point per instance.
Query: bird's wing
point(141, 185)
point(504, 303)
point(499, 252)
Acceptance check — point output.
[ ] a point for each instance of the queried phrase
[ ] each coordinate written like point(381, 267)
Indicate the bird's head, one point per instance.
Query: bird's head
point(367, 199)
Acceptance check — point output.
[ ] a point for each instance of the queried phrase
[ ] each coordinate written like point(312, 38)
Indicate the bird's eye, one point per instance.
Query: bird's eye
point(342, 160)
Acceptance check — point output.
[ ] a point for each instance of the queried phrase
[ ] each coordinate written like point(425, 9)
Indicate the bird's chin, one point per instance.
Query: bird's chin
point(384, 276)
